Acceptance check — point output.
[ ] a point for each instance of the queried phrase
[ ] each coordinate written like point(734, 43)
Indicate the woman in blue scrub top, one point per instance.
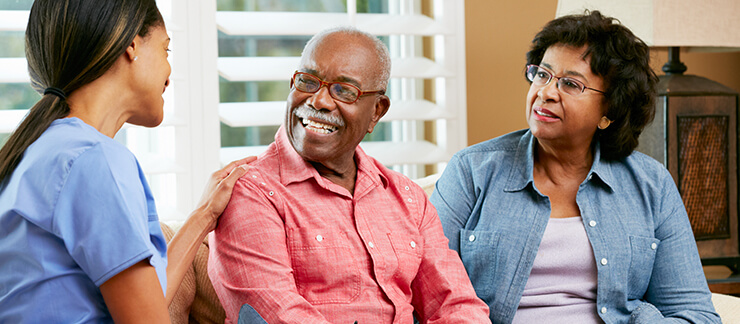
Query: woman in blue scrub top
point(79, 234)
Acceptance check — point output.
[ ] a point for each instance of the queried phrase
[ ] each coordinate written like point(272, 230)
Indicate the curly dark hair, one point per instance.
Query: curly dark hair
point(622, 60)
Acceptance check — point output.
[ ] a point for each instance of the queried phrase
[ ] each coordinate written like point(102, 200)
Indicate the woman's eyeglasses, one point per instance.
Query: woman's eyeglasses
point(344, 92)
point(541, 77)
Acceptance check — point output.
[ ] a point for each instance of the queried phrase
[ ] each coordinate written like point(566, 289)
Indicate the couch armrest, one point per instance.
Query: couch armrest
point(728, 307)
point(195, 300)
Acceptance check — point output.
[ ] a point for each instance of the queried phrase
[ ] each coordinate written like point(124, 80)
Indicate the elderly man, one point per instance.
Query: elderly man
point(319, 232)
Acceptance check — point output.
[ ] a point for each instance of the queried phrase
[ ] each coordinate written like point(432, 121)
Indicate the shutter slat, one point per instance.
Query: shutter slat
point(9, 119)
point(271, 113)
point(158, 164)
point(13, 20)
point(238, 69)
point(308, 24)
point(14, 70)
point(388, 153)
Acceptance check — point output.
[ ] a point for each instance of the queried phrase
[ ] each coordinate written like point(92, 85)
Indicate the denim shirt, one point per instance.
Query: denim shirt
point(646, 257)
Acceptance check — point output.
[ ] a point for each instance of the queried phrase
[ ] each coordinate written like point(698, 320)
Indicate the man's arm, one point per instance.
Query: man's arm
point(249, 261)
point(442, 292)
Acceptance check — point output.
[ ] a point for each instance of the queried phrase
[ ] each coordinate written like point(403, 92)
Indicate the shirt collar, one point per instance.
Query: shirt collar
point(521, 177)
point(293, 168)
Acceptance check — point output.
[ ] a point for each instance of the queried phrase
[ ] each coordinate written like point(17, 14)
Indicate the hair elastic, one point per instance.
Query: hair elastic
point(55, 91)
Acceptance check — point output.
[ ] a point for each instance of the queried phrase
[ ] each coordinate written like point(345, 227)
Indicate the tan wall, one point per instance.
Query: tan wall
point(498, 35)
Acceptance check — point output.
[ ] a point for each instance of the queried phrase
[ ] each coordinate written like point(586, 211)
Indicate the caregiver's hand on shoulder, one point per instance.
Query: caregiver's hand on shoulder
point(218, 190)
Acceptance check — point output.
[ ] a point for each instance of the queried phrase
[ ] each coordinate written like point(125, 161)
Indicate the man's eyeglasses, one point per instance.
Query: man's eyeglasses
point(344, 92)
point(541, 77)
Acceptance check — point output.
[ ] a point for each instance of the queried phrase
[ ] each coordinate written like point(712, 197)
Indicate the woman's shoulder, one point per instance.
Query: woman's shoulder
point(501, 148)
point(645, 164)
point(67, 139)
point(643, 171)
point(504, 143)
point(69, 144)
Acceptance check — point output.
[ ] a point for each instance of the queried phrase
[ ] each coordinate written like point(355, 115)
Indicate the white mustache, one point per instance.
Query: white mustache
point(308, 112)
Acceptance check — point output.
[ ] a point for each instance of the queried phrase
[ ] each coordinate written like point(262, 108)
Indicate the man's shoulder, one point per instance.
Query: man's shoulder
point(396, 179)
point(266, 168)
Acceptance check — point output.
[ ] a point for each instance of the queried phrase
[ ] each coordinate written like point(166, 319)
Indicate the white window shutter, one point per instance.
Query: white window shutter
point(179, 155)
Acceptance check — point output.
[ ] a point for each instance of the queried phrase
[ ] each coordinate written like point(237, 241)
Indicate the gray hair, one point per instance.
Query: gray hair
point(381, 51)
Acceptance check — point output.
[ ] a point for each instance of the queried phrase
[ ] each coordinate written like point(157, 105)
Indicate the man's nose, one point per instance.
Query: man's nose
point(322, 99)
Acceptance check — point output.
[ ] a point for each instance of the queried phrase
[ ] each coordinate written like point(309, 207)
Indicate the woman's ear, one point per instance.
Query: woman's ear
point(133, 48)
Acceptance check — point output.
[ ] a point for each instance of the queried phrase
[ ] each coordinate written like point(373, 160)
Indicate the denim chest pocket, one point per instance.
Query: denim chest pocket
point(642, 258)
point(408, 249)
point(478, 254)
point(324, 268)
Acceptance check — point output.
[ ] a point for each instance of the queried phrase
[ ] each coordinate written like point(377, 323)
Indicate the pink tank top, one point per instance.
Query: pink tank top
point(562, 285)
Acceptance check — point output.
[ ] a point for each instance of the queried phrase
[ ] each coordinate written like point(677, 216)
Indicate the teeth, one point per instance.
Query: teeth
point(543, 114)
point(318, 127)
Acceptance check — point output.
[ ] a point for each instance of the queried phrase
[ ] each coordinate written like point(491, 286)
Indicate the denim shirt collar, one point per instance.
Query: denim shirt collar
point(521, 173)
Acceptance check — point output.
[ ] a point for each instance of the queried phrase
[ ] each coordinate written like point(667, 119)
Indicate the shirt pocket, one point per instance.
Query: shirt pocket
point(642, 258)
point(324, 268)
point(408, 249)
point(478, 254)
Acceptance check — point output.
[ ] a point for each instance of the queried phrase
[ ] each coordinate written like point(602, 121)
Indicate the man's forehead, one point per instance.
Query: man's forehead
point(334, 60)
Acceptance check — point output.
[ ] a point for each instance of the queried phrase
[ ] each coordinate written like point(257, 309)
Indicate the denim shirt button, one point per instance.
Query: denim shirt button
point(471, 238)
point(592, 223)
point(590, 176)
point(603, 262)
point(654, 246)
point(603, 310)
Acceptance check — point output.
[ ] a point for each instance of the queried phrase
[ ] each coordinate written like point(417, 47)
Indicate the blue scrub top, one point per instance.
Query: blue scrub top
point(75, 212)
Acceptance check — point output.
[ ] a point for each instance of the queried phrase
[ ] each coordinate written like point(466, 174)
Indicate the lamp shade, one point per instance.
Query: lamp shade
point(709, 25)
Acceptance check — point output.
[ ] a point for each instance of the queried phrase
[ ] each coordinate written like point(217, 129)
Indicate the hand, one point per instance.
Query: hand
point(218, 190)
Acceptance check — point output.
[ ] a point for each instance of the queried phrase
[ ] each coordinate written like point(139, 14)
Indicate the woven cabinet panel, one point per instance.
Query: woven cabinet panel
point(703, 167)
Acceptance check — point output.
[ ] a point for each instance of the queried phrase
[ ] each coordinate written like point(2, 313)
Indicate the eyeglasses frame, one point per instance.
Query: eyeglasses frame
point(328, 85)
point(552, 76)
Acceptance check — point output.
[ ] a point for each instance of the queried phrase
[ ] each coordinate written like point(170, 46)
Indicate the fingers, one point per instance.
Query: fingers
point(235, 174)
point(231, 166)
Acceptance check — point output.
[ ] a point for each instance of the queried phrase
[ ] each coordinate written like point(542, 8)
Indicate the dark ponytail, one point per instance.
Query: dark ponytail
point(70, 43)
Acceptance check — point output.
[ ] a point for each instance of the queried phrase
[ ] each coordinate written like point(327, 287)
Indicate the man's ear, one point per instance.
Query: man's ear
point(382, 103)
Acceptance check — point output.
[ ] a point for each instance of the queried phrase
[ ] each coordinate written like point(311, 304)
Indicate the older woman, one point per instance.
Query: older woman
point(563, 222)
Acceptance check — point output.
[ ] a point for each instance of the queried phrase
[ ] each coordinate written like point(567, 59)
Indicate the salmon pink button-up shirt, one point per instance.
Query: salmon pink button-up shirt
point(300, 249)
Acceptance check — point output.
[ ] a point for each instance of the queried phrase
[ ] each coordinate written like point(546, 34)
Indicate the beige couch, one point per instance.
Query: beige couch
point(196, 301)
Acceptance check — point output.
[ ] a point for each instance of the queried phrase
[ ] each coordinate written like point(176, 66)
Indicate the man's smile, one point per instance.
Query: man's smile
point(317, 127)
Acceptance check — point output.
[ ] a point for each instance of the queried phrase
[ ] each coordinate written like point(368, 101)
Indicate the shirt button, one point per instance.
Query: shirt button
point(254, 176)
point(471, 238)
point(370, 244)
point(654, 246)
point(603, 262)
point(413, 244)
point(407, 188)
point(590, 176)
point(319, 238)
point(603, 310)
point(410, 200)
point(592, 223)
point(271, 193)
